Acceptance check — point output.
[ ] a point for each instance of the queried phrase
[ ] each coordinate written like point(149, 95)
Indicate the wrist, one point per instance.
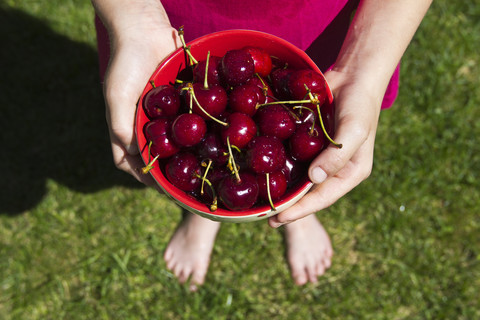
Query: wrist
point(125, 18)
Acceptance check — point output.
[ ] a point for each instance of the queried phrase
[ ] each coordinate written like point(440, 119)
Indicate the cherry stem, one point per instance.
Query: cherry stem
point(205, 175)
point(314, 98)
point(152, 82)
point(149, 166)
point(205, 82)
point(264, 85)
point(232, 160)
point(192, 94)
point(193, 61)
point(214, 205)
point(267, 176)
point(284, 102)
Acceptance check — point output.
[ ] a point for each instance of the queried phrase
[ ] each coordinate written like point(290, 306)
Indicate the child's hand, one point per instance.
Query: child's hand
point(337, 171)
point(139, 44)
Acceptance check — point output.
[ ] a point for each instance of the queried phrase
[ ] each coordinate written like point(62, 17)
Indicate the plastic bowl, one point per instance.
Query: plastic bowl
point(218, 44)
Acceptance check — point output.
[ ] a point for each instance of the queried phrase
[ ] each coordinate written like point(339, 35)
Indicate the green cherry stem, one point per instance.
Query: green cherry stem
point(317, 104)
point(192, 94)
point(205, 82)
point(193, 61)
point(205, 175)
point(214, 205)
point(149, 166)
point(232, 160)
point(267, 176)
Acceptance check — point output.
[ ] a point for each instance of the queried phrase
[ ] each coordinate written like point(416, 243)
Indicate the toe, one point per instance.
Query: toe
point(300, 279)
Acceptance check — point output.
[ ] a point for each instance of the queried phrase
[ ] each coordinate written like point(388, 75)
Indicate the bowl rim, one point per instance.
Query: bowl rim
point(184, 199)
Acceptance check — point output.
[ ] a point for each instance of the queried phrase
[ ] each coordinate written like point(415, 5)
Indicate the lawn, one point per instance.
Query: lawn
point(82, 240)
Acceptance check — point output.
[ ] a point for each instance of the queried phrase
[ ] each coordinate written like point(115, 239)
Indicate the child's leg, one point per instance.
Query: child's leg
point(188, 252)
point(309, 250)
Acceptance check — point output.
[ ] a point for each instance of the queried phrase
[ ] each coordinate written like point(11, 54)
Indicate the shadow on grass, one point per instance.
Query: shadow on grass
point(52, 115)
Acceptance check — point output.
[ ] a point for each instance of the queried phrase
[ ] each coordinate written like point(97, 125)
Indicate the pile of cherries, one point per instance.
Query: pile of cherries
point(240, 130)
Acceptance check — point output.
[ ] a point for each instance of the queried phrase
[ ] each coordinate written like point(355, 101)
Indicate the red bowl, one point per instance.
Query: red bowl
point(218, 44)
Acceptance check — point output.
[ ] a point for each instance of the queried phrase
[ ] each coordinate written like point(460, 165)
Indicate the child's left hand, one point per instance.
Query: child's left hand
point(337, 171)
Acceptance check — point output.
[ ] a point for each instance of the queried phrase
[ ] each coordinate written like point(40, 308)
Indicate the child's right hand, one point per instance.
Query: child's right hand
point(140, 39)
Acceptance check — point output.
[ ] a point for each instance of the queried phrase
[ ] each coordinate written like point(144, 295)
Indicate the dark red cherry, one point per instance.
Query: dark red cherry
point(327, 110)
point(163, 146)
point(266, 93)
point(237, 67)
point(188, 129)
point(156, 127)
point(238, 195)
point(306, 115)
point(305, 143)
point(183, 171)
point(158, 132)
point(307, 77)
point(279, 79)
point(213, 75)
point(265, 154)
point(212, 148)
point(240, 130)
point(161, 101)
point(245, 98)
point(293, 170)
point(261, 60)
point(275, 121)
point(212, 99)
point(277, 184)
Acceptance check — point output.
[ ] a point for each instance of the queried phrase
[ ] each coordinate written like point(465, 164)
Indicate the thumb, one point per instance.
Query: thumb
point(351, 134)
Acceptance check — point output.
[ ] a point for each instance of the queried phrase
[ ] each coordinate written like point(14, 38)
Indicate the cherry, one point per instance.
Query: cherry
point(265, 154)
point(301, 79)
point(212, 148)
point(156, 127)
point(245, 98)
point(293, 170)
point(240, 130)
point(279, 78)
point(306, 142)
point(276, 121)
point(158, 132)
point(237, 67)
point(305, 115)
point(261, 60)
point(163, 146)
point(238, 194)
point(188, 129)
point(213, 75)
point(266, 93)
point(212, 99)
point(183, 171)
point(327, 111)
point(277, 185)
point(161, 101)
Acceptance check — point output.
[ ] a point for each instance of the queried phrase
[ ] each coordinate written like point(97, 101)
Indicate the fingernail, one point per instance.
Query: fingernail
point(318, 175)
point(132, 149)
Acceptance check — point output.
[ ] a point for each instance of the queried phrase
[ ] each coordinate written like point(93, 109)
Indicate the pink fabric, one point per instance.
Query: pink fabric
point(317, 27)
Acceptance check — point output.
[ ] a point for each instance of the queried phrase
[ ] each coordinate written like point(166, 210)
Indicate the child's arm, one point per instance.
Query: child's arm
point(141, 36)
point(377, 39)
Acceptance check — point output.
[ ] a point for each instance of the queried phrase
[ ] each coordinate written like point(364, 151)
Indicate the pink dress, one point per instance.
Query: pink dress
point(317, 27)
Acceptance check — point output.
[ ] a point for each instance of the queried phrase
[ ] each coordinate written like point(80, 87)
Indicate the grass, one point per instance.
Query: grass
point(81, 240)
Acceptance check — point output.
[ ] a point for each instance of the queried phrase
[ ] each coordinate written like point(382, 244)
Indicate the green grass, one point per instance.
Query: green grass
point(81, 240)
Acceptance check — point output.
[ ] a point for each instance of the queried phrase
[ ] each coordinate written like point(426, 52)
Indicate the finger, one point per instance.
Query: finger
point(352, 134)
point(130, 164)
point(333, 188)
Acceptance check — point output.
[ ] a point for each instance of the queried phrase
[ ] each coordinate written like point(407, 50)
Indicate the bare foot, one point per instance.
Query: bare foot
point(188, 252)
point(309, 250)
